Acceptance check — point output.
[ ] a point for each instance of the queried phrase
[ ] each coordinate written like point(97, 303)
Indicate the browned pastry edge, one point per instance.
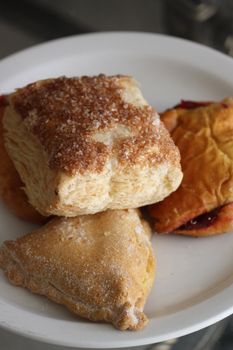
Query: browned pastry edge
point(218, 221)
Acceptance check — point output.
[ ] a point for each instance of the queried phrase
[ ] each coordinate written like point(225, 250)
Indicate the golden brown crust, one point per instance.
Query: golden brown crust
point(65, 114)
point(204, 137)
point(101, 266)
point(10, 184)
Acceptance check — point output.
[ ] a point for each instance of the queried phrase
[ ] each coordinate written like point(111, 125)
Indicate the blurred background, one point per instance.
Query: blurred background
point(24, 23)
point(27, 22)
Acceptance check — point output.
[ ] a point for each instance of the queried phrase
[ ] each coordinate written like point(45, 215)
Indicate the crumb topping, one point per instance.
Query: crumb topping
point(66, 113)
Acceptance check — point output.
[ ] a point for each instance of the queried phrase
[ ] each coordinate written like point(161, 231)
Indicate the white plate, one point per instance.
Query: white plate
point(194, 283)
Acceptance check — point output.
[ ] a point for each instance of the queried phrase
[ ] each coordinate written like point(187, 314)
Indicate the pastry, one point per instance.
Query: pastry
point(10, 184)
point(100, 266)
point(202, 205)
point(84, 145)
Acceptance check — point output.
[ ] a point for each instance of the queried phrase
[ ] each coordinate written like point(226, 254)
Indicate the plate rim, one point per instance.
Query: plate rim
point(42, 45)
point(137, 340)
point(91, 344)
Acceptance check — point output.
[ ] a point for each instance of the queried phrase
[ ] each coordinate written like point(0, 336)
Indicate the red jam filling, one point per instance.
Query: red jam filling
point(3, 101)
point(192, 104)
point(202, 221)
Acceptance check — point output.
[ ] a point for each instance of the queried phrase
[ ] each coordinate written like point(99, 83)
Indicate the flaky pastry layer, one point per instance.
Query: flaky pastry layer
point(204, 136)
point(11, 186)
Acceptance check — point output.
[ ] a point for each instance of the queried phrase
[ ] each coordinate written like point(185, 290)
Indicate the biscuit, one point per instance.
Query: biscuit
point(84, 145)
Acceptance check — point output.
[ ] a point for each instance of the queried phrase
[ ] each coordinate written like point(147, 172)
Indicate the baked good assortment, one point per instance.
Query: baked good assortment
point(202, 205)
point(84, 145)
point(89, 145)
point(100, 266)
point(11, 186)
point(93, 146)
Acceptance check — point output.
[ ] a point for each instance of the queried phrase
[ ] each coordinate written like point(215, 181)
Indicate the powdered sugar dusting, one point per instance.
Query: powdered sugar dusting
point(69, 230)
point(131, 313)
point(156, 120)
point(138, 229)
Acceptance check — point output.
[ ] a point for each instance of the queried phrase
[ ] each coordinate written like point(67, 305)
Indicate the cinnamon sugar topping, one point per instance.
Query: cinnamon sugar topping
point(66, 113)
